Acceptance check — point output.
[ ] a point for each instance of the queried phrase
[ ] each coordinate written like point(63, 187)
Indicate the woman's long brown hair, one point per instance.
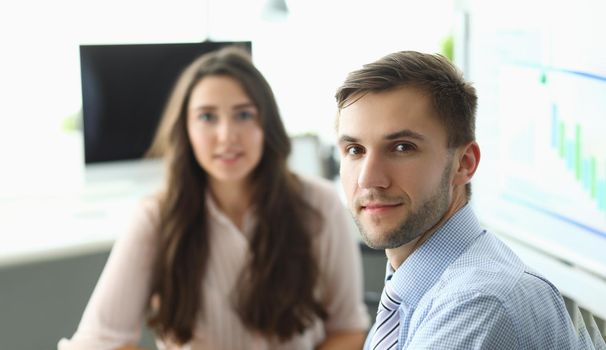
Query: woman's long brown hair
point(275, 293)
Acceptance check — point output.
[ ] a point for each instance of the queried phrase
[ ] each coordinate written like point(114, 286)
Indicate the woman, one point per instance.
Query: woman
point(236, 252)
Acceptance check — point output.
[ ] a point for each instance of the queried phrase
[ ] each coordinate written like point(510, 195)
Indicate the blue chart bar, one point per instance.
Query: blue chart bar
point(554, 126)
point(593, 179)
point(570, 163)
point(586, 178)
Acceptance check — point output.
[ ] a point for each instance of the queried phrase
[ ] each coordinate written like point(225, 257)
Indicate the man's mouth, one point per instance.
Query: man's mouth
point(377, 208)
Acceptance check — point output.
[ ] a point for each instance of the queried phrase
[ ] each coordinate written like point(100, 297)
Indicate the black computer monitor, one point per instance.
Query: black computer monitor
point(124, 90)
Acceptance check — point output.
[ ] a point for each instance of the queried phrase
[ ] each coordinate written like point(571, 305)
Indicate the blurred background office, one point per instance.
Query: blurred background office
point(540, 71)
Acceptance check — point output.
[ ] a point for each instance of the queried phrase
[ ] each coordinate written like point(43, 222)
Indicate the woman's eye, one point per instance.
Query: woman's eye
point(245, 115)
point(208, 117)
point(404, 147)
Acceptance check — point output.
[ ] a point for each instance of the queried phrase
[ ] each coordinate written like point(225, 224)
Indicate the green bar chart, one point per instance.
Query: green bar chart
point(552, 145)
point(584, 166)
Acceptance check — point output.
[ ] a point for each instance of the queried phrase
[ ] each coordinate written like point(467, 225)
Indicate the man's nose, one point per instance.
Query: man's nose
point(373, 172)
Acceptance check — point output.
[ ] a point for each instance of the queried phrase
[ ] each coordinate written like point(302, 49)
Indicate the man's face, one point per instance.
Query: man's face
point(395, 166)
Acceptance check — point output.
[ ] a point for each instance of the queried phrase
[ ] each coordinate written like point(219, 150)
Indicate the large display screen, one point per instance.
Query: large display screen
point(540, 71)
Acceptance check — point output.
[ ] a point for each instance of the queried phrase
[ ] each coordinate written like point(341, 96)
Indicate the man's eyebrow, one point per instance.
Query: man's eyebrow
point(393, 136)
point(405, 134)
point(347, 139)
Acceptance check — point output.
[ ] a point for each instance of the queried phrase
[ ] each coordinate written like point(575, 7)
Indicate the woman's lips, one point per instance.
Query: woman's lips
point(229, 157)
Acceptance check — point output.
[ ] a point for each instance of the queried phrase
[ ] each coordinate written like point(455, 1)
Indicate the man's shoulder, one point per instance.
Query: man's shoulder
point(489, 268)
point(488, 281)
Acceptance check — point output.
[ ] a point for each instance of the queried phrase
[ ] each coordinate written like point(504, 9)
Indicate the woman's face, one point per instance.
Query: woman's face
point(224, 129)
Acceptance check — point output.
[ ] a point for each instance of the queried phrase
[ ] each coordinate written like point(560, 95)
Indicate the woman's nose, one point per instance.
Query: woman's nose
point(227, 131)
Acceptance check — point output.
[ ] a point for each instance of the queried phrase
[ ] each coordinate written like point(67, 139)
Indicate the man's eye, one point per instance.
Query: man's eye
point(354, 150)
point(404, 147)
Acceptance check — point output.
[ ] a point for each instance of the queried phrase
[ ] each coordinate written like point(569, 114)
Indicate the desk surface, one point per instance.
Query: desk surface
point(85, 218)
point(69, 208)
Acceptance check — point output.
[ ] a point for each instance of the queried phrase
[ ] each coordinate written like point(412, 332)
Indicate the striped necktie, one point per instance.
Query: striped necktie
point(388, 321)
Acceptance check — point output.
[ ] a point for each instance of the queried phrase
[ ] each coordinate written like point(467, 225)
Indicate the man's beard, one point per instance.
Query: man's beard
point(417, 222)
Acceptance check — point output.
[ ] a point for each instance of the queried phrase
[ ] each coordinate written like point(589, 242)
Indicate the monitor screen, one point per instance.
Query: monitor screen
point(124, 90)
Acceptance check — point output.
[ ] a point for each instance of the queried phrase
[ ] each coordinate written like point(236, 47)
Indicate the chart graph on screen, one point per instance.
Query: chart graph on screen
point(541, 125)
point(554, 144)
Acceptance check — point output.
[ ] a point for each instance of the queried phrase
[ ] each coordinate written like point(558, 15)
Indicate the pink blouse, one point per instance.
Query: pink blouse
point(116, 310)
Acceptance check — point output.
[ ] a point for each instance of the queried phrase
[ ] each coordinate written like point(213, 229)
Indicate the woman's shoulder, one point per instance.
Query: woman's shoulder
point(150, 203)
point(319, 192)
point(147, 211)
point(142, 226)
point(315, 182)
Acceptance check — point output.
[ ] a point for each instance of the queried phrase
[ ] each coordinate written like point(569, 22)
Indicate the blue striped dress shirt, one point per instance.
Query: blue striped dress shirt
point(465, 289)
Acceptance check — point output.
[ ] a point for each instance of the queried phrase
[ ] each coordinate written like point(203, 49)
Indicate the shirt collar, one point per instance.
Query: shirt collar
point(215, 213)
point(422, 269)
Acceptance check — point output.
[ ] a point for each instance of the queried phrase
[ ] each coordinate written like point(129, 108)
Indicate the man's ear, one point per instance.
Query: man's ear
point(468, 157)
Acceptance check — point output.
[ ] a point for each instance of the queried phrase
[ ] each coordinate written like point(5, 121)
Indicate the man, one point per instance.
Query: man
point(406, 129)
